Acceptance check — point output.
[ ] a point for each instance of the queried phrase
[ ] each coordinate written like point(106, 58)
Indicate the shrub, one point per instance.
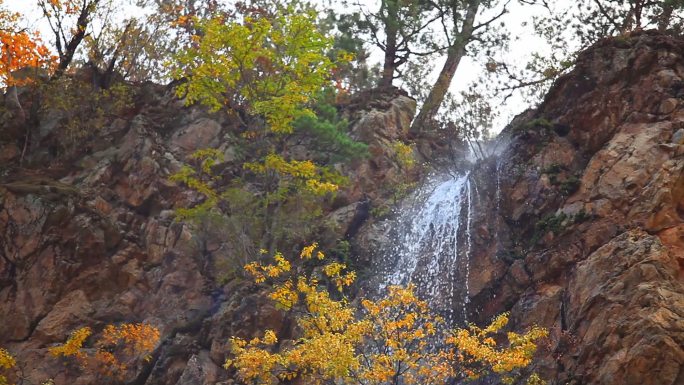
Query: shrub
point(395, 339)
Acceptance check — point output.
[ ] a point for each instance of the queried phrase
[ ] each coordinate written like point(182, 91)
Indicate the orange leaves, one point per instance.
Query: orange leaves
point(73, 347)
point(261, 272)
point(69, 7)
point(336, 272)
point(252, 362)
point(404, 330)
point(479, 351)
point(7, 362)
point(135, 338)
point(308, 251)
point(21, 50)
point(285, 295)
point(330, 333)
point(183, 21)
point(118, 347)
point(120, 344)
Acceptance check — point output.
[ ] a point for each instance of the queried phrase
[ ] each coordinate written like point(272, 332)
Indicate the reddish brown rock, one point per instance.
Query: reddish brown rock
point(94, 242)
point(602, 235)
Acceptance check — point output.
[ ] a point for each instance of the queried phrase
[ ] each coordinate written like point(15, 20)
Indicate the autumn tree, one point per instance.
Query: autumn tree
point(23, 57)
point(7, 363)
point(116, 350)
point(70, 22)
point(268, 67)
point(113, 355)
point(20, 49)
point(393, 340)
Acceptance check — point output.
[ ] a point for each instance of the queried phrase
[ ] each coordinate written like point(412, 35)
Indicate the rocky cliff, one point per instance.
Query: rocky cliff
point(581, 225)
point(578, 227)
point(88, 236)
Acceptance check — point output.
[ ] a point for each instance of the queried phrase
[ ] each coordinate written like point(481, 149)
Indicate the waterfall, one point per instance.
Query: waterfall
point(469, 220)
point(429, 244)
point(498, 185)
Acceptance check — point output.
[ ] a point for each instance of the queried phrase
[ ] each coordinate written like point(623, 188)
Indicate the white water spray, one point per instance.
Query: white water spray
point(429, 245)
point(469, 220)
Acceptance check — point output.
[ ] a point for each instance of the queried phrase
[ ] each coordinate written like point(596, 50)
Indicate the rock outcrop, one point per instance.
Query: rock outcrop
point(588, 236)
point(578, 227)
point(91, 239)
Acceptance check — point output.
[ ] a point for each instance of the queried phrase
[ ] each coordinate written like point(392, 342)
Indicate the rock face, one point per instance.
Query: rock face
point(626, 304)
point(92, 240)
point(578, 226)
point(97, 245)
point(581, 219)
point(381, 171)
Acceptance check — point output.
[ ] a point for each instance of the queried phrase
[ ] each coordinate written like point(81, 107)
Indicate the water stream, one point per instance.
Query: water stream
point(429, 244)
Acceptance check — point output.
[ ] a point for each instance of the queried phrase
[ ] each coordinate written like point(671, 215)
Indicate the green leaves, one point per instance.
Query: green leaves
point(329, 131)
point(270, 67)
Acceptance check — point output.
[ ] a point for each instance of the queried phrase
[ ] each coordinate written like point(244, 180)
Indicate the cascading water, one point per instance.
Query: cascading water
point(466, 280)
point(429, 245)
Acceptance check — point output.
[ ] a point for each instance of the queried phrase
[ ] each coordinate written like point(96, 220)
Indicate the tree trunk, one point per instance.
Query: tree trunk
point(67, 56)
point(665, 17)
point(390, 58)
point(13, 104)
point(391, 32)
point(454, 55)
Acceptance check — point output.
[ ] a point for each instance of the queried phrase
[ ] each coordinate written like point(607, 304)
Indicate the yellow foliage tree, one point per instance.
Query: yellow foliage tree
point(268, 65)
point(7, 362)
point(117, 348)
point(393, 340)
point(274, 200)
point(293, 174)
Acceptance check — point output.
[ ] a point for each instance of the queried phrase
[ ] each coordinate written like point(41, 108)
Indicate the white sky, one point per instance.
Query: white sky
point(524, 43)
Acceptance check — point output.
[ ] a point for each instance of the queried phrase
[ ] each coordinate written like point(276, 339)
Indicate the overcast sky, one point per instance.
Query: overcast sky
point(518, 21)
